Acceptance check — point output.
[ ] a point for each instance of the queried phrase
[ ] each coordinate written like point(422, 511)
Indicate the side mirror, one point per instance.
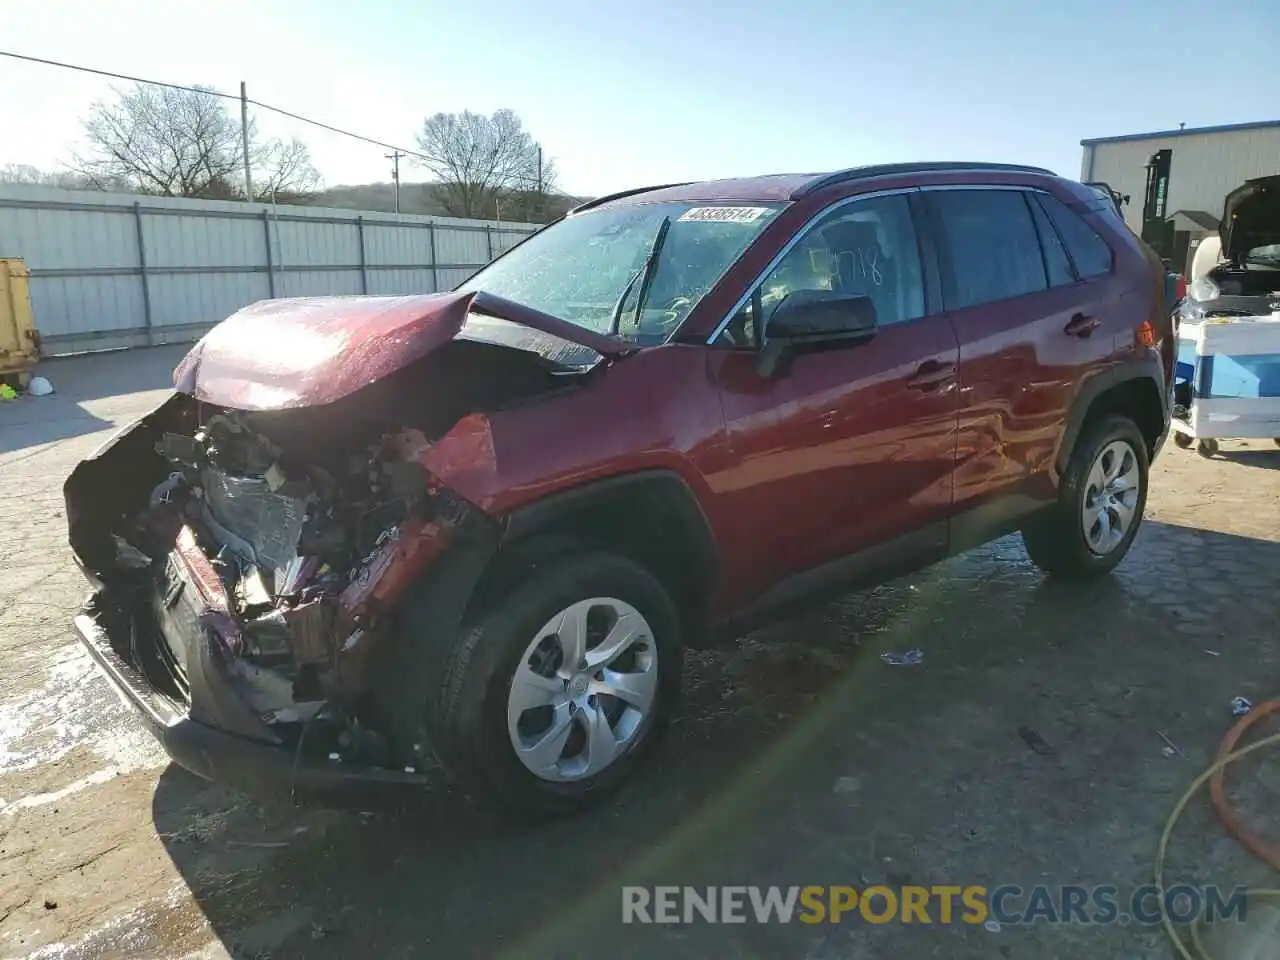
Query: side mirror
point(813, 318)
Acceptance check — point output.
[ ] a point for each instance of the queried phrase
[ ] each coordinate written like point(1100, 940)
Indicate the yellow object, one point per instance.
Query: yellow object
point(19, 341)
point(7, 392)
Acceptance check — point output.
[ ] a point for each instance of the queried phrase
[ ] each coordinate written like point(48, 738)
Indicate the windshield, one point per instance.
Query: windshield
point(637, 269)
point(1269, 255)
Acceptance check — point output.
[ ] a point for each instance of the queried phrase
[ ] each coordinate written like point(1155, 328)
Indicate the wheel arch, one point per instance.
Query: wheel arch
point(652, 516)
point(1134, 389)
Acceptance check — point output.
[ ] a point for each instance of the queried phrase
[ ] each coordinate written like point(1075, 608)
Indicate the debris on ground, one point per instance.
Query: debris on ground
point(39, 387)
point(1037, 743)
point(7, 392)
point(1170, 747)
point(847, 785)
point(908, 658)
point(1240, 706)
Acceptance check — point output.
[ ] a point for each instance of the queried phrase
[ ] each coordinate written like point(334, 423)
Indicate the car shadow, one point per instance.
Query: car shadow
point(750, 775)
point(84, 388)
point(1266, 459)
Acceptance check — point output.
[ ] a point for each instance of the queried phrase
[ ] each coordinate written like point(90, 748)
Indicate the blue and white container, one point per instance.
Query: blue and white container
point(1233, 365)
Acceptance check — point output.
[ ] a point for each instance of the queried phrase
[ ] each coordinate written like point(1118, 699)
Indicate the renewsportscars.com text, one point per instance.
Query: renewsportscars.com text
point(941, 904)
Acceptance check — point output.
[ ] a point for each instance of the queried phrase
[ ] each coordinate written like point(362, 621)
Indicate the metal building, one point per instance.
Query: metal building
point(1205, 164)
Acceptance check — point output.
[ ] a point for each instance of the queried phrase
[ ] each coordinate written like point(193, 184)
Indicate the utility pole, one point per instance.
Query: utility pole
point(244, 142)
point(395, 175)
point(540, 204)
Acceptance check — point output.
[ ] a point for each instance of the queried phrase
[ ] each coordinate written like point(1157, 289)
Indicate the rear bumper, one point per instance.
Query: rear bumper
point(263, 769)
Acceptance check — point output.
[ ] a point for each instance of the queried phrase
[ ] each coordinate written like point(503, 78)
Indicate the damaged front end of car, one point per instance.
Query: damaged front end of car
point(251, 557)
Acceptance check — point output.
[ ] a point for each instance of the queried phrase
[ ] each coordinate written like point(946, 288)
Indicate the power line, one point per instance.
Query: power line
point(345, 133)
point(115, 76)
point(214, 93)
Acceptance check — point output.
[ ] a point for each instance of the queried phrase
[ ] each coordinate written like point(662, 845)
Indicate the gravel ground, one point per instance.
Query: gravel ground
point(1029, 747)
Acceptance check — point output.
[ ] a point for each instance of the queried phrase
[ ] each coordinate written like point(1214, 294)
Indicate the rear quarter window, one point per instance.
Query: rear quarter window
point(1057, 262)
point(1089, 252)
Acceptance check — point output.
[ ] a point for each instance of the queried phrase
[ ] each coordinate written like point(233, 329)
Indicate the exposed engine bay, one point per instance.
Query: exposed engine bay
point(255, 560)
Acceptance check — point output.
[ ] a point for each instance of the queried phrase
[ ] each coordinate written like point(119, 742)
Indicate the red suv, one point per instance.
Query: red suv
point(370, 535)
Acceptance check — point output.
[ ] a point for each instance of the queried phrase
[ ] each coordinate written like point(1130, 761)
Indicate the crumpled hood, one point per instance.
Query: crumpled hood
point(300, 352)
point(1250, 217)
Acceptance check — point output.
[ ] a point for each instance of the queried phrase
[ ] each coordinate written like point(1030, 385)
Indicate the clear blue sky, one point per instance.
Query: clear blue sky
point(630, 93)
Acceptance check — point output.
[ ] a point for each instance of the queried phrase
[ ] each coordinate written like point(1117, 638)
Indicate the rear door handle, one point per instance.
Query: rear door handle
point(931, 375)
point(1081, 325)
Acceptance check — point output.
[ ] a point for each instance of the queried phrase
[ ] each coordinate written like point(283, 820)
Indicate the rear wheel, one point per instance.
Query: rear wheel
point(1182, 441)
point(1208, 448)
point(1100, 504)
point(555, 691)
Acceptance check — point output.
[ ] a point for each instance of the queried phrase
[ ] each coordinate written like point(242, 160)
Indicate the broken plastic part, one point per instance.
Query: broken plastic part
point(297, 575)
point(311, 631)
point(164, 492)
point(129, 556)
point(269, 634)
point(246, 507)
point(298, 713)
point(252, 591)
point(238, 547)
point(266, 691)
point(275, 477)
point(182, 449)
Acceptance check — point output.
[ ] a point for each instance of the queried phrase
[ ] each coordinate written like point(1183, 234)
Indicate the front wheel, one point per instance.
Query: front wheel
point(555, 691)
point(1100, 504)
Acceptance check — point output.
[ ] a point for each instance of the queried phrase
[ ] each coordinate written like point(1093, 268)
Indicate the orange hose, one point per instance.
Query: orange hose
point(1259, 847)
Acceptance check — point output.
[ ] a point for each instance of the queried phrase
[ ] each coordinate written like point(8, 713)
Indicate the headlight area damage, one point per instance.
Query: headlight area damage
point(250, 562)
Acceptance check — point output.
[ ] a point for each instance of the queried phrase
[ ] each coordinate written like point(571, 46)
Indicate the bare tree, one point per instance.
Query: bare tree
point(25, 173)
point(477, 159)
point(283, 171)
point(186, 143)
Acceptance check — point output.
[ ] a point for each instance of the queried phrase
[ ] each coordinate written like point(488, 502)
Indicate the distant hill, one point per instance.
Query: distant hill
point(424, 198)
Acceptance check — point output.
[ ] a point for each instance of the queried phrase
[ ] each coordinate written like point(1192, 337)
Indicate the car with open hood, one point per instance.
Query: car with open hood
point(366, 538)
point(1240, 274)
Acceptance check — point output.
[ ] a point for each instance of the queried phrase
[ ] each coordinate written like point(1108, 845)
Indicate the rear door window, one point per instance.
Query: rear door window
point(1089, 252)
point(992, 250)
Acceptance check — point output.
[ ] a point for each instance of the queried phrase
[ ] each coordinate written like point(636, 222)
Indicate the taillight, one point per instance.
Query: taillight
point(1147, 334)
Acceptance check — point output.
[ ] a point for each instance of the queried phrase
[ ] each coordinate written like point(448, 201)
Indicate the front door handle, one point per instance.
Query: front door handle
point(931, 375)
point(1081, 325)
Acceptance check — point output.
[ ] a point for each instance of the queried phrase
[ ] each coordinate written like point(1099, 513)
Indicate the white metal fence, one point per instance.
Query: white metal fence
point(116, 270)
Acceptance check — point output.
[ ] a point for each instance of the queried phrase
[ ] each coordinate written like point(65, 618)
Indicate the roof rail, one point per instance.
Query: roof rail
point(889, 169)
point(621, 194)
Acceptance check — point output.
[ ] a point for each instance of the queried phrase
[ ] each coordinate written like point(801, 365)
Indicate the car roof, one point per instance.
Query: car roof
point(780, 187)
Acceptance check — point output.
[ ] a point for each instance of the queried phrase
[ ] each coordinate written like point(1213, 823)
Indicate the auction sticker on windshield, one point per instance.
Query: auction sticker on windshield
point(725, 214)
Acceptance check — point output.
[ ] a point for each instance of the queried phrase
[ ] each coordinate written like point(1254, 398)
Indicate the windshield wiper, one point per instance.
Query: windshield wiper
point(644, 275)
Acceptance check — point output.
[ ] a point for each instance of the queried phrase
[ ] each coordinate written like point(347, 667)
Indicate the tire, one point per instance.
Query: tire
point(1207, 448)
point(1057, 541)
point(470, 719)
point(1182, 441)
